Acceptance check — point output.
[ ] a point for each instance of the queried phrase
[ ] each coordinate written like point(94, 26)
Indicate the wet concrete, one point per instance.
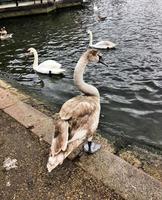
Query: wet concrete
point(30, 180)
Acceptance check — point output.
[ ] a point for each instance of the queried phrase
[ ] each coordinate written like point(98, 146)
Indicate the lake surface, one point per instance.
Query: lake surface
point(130, 88)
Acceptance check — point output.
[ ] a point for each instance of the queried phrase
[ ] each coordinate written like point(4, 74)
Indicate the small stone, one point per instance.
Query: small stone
point(8, 184)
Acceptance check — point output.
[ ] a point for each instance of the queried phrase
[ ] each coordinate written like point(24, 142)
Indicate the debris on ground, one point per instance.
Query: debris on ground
point(9, 163)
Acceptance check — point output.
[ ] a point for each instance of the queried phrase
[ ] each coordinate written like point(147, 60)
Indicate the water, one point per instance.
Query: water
point(130, 88)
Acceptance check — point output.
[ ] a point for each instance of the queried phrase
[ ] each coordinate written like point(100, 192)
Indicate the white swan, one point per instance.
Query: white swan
point(6, 36)
point(100, 45)
point(46, 67)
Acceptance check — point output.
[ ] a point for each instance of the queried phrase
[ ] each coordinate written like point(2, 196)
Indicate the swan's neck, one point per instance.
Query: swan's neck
point(35, 63)
point(90, 38)
point(78, 78)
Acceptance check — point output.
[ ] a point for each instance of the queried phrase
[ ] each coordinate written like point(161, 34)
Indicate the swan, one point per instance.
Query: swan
point(6, 36)
point(96, 12)
point(3, 31)
point(78, 117)
point(46, 67)
point(100, 45)
point(100, 18)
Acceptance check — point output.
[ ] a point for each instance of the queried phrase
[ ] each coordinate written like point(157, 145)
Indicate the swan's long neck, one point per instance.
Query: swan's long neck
point(35, 63)
point(90, 38)
point(78, 78)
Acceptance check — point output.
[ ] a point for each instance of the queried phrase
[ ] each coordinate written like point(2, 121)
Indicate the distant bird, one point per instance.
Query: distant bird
point(100, 18)
point(79, 117)
point(5, 37)
point(3, 31)
point(97, 14)
point(47, 67)
point(100, 45)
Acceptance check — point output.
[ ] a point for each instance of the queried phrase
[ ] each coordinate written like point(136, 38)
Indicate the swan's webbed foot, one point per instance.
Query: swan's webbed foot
point(50, 74)
point(91, 147)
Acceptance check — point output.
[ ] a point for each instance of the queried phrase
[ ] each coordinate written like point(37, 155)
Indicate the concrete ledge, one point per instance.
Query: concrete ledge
point(37, 122)
point(6, 99)
point(128, 181)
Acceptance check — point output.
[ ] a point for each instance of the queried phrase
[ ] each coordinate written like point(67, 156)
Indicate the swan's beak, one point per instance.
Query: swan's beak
point(101, 61)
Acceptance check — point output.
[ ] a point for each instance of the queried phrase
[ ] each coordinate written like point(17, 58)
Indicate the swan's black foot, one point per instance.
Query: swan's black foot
point(50, 74)
point(91, 147)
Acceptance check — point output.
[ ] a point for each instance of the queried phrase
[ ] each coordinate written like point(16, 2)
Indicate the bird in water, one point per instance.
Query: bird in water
point(4, 35)
point(104, 44)
point(78, 118)
point(100, 18)
point(97, 14)
point(47, 67)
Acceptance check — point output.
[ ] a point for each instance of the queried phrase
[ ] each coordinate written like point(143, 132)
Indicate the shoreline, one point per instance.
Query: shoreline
point(111, 169)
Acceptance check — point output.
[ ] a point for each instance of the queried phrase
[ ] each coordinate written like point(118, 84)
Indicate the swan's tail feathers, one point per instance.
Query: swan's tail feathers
point(57, 154)
point(59, 144)
point(60, 140)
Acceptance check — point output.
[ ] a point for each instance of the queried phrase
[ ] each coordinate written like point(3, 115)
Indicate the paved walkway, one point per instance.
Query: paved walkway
point(31, 181)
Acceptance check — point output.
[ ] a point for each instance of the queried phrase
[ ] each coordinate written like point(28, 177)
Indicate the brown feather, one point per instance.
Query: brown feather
point(78, 118)
point(78, 107)
point(82, 112)
point(60, 137)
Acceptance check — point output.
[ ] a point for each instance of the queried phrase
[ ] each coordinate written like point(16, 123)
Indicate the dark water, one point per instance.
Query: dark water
point(130, 88)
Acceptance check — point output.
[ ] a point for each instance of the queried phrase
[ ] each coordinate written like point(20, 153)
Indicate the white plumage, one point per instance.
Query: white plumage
point(100, 45)
point(6, 36)
point(46, 67)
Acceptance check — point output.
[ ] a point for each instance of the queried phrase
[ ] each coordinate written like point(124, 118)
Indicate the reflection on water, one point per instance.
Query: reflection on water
point(131, 87)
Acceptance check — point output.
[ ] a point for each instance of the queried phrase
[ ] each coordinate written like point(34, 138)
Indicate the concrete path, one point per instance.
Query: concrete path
point(30, 179)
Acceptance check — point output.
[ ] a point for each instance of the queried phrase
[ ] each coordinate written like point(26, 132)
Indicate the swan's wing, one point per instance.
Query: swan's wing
point(105, 44)
point(96, 46)
point(78, 107)
point(50, 64)
point(60, 141)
